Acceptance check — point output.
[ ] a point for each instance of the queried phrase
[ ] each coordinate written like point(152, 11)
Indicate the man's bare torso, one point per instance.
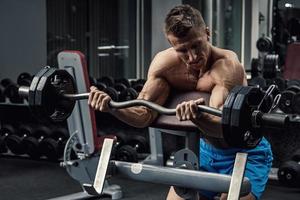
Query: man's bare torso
point(180, 77)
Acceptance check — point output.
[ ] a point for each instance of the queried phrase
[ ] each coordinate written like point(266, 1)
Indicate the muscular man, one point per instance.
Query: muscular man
point(192, 63)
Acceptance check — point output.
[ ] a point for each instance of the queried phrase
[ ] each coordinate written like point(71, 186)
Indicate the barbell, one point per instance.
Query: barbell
point(52, 94)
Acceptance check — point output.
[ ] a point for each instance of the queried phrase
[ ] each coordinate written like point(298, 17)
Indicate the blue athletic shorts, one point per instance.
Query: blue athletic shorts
point(221, 161)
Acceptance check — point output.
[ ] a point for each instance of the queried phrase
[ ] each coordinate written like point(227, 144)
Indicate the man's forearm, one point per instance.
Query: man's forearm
point(210, 125)
point(139, 116)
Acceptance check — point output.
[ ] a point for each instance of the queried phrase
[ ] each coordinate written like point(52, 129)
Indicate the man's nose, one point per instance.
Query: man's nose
point(192, 55)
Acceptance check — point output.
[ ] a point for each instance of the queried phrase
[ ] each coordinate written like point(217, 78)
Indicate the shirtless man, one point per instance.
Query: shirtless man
point(192, 63)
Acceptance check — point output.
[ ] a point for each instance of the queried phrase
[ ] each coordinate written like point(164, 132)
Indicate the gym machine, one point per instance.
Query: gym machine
point(52, 95)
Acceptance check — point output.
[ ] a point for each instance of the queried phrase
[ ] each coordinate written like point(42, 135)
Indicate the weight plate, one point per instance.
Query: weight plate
point(48, 98)
point(243, 135)
point(227, 112)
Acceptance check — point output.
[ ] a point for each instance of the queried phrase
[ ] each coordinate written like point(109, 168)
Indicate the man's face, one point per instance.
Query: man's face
point(193, 49)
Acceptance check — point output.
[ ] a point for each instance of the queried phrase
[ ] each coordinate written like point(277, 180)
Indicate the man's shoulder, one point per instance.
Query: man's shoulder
point(224, 55)
point(164, 61)
point(168, 55)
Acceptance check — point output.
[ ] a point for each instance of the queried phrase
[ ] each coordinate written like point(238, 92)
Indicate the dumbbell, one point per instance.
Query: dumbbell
point(93, 80)
point(107, 80)
point(138, 85)
point(258, 81)
point(5, 131)
point(280, 82)
point(53, 146)
point(14, 141)
point(11, 91)
point(287, 102)
point(123, 81)
point(121, 93)
point(24, 79)
point(31, 143)
point(289, 171)
point(120, 139)
point(130, 152)
point(255, 68)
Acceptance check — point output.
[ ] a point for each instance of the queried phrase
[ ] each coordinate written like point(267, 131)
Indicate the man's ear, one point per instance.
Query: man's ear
point(207, 33)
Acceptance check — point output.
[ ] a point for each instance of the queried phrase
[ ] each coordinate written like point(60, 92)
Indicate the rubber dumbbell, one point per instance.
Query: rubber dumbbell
point(24, 78)
point(260, 81)
point(5, 131)
point(107, 80)
point(31, 143)
point(11, 91)
point(121, 139)
point(123, 81)
point(125, 93)
point(15, 142)
point(122, 93)
point(129, 152)
point(53, 146)
point(286, 102)
point(280, 82)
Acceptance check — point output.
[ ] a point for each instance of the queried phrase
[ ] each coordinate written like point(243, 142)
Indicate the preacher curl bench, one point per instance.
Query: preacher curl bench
point(58, 88)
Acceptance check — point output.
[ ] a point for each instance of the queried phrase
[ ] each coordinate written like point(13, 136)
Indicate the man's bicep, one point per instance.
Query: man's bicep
point(156, 89)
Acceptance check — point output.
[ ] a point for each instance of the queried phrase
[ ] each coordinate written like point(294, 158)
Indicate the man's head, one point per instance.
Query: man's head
point(181, 19)
point(186, 31)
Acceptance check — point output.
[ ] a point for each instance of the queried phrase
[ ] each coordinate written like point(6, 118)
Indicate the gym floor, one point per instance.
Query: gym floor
point(23, 179)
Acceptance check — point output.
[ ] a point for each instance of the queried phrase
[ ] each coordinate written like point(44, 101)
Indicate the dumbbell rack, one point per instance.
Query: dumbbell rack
point(22, 115)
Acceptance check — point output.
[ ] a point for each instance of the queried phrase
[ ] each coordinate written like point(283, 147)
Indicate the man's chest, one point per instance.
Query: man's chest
point(190, 81)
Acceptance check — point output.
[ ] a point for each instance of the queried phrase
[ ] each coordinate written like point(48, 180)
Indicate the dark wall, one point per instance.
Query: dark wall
point(22, 36)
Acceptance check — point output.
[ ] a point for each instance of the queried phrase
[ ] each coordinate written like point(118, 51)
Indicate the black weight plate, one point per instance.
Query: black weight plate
point(64, 85)
point(243, 135)
point(38, 109)
point(48, 95)
point(226, 112)
point(296, 103)
point(32, 89)
point(285, 103)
